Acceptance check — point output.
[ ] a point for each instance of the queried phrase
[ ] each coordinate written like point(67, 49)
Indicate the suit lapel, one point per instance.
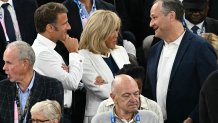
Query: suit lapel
point(101, 65)
point(36, 92)
point(11, 98)
point(117, 56)
point(186, 40)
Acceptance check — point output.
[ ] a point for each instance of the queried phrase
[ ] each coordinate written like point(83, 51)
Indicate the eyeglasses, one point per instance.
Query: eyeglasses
point(37, 121)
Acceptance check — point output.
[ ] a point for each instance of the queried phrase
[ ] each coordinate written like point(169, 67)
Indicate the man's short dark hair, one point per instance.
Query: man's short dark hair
point(47, 14)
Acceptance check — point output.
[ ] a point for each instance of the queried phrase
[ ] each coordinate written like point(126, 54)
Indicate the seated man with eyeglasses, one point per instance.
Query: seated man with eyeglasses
point(45, 111)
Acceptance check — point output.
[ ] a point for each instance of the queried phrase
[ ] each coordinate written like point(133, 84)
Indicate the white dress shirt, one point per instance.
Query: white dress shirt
point(13, 17)
point(165, 65)
point(49, 62)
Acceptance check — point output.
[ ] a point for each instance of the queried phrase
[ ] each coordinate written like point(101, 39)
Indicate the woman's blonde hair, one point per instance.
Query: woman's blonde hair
point(213, 39)
point(98, 28)
point(51, 109)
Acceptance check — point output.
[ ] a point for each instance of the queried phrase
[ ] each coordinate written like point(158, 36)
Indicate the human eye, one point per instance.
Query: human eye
point(154, 17)
point(126, 95)
point(136, 94)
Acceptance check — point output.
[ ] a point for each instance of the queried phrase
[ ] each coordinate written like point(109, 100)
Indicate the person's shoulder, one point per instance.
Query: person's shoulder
point(101, 117)
point(85, 52)
point(47, 80)
point(118, 47)
point(212, 79)
point(194, 38)
point(5, 82)
point(211, 20)
point(148, 116)
point(146, 100)
point(105, 5)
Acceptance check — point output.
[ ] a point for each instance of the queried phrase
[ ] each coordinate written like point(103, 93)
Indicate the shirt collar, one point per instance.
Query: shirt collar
point(45, 41)
point(190, 25)
point(176, 42)
point(78, 1)
point(30, 85)
point(131, 121)
point(9, 1)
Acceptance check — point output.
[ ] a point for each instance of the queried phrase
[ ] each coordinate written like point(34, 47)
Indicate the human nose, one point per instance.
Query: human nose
point(116, 34)
point(4, 67)
point(134, 98)
point(151, 23)
point(68, 26)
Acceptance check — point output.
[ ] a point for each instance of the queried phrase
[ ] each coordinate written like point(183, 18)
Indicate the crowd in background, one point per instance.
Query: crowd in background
point(95, 61)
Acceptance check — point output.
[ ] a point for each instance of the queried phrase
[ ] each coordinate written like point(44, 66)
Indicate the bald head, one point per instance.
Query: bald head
point(125, 94)
point(122, 81)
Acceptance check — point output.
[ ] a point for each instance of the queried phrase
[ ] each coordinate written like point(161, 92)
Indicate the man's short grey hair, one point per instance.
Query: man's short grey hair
point(173, 5)
point(25, 51)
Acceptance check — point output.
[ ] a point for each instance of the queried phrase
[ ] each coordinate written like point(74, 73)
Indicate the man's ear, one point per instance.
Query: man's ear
point(112, 95)
point(50, 28)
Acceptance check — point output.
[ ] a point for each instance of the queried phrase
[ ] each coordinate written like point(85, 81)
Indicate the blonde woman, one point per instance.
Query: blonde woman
point(103, 58)
point(46, 111)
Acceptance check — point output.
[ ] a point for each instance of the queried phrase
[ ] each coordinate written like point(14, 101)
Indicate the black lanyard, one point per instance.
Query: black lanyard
point(22, 117)
point(113, 119)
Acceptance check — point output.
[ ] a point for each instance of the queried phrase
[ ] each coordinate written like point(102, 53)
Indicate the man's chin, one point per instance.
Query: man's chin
point(11, 79)
point(133, 108)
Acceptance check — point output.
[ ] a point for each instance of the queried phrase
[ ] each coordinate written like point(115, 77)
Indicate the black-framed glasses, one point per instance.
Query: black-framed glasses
point(37, 121)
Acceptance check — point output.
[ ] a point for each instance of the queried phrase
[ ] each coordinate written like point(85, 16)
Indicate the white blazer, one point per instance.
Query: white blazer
point(94, 65)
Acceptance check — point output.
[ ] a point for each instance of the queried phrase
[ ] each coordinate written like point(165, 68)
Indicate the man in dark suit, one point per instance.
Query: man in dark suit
point(2, 49)
point(196, 15)
point(24, 11)
point(177, 65)
point(24, 87)
point(22, 16)
point(208, 109)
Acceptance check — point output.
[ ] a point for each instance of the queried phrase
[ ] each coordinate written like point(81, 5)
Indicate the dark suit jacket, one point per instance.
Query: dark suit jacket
point(213, 9)
point(43, 88)
point(208, 108)
point(2, 49)
point(24, 11)
point(194, 61)
point(25, 16)
point(211, 25)
point(76, 24)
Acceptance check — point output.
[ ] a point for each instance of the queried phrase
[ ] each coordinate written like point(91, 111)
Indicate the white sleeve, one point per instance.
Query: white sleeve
point(49, 64)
